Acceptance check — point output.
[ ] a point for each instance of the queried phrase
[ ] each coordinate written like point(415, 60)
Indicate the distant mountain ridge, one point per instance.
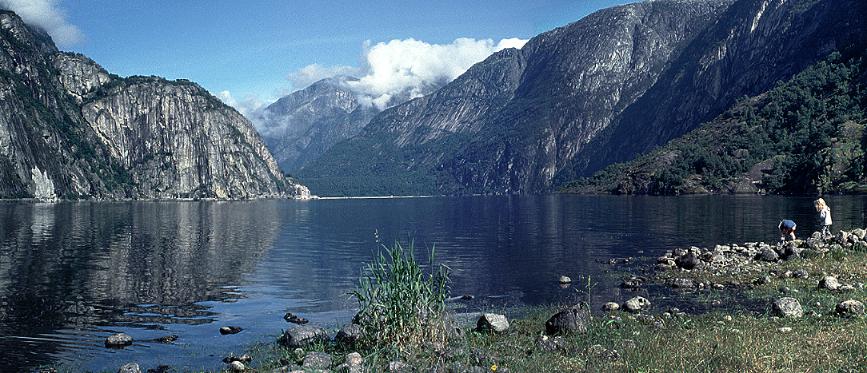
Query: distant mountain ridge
point(575, 99)
point(70, 130)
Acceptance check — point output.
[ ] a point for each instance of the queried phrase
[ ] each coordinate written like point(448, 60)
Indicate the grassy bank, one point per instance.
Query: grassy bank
point(735, 331)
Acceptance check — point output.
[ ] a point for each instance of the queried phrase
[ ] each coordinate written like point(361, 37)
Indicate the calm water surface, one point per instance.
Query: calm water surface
point(73, 273)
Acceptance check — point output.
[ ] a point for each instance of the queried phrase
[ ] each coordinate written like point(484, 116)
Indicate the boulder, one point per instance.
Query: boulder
point(565, 280)
point(637, 304)
point(546, 343)
point(688, 261)
point(349, 335)
point(354, 360)
point(230, 330)
point(860, 233)
point(850, 308)
point(129, 368)
point(768, 254)
point(492, 323)
point(610, 306)
point(118, 340)
point(316, 361)
point(829, 282)
point(571, 320)
point(787, 307)
point(243, 358)
point(792, 251)
point(303, 336)
point(682, 283)
point(237, 366)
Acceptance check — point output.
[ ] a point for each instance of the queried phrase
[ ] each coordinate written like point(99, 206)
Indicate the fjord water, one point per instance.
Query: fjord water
point(74, 273)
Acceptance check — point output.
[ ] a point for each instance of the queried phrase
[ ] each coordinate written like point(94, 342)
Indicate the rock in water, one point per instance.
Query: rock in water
point(230, 330)
point(565, 280)
point(349, 335)
point(118, 340)
point(303, 336)
point(850, 308)
point(787, 307)
point(129, 368)
point(571, 320)
point(829, 282)
point(688, 261)
point(637, 304)
point(492, 323)
point(295, 319)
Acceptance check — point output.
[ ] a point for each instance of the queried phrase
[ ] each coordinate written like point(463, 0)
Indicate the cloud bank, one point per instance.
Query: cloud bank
point(405, 68)
point(47, 15)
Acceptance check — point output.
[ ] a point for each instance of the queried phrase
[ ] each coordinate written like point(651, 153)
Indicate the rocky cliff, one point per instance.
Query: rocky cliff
point(612, 85)
point(300, 127)
point(69, 129)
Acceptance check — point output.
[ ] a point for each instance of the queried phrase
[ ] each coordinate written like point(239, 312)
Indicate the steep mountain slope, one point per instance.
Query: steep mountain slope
point(69, 129)
point(300, 127)
point(509, 121)
point(806, 135)
point(755, 44)
point(603, 89)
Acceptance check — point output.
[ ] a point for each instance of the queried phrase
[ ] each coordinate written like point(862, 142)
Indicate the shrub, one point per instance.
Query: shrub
point(401, 307)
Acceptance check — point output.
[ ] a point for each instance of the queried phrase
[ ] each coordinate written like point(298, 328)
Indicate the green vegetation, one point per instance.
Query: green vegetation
point(738, 332)
point(804, 136)
point(400, 307)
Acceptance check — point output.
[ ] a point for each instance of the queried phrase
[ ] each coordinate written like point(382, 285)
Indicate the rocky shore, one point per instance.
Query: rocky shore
point(796, 305)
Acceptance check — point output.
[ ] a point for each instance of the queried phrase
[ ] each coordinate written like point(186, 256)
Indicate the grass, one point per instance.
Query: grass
point(402, 308)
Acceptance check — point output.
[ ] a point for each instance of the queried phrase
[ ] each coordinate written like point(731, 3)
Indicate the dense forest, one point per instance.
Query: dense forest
point(806, 135)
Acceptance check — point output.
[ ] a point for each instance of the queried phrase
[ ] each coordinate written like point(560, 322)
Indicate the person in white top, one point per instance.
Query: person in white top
point(824, 217)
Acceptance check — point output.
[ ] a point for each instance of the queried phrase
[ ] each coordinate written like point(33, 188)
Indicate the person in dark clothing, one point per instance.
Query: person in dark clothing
point(787, 230)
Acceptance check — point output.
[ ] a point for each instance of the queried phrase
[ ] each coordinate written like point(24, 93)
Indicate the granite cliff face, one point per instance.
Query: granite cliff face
point(510, 122)
point(300, 127)
point(612, 85)
point(69, 129)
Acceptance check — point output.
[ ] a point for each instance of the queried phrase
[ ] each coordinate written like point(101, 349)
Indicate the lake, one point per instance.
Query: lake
point(74, 273)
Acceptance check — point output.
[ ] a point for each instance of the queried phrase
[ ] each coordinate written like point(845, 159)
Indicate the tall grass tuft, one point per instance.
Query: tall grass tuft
point(402, 308)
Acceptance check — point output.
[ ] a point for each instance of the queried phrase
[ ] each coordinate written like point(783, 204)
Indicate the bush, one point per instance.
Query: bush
point(401, 307)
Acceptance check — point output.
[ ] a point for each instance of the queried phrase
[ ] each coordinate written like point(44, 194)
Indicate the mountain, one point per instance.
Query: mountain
point(69, 130)
point(806, 135)
point(300, 127)
point(612, 85)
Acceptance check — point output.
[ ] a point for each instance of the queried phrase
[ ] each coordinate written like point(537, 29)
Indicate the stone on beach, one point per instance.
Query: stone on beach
point(303, 336)
point(610, 306)
point(688, 261)
point(787, 307)
point(316, 361)
point(349, 335)
point(850, 308)
point(492, 323)
point(637, 304)
point(830, 283)
point(237, 366)
point(571, 320)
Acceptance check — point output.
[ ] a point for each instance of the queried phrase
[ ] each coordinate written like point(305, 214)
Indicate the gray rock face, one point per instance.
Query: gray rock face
point(615, 84)
point(787, 307)
point(303, 336)
point(69, 130)
point(492, 323)
point(300, 127)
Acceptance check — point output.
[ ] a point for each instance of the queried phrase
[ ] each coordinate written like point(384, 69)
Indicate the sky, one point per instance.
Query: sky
point(252, 52)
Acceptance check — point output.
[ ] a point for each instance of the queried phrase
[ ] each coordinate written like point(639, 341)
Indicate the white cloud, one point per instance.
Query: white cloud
point(310, 74)
point(406, 68)
point(48, 16)
point(246, 106)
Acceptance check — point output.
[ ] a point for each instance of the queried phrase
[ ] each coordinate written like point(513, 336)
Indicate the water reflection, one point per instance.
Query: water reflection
point(71, 273)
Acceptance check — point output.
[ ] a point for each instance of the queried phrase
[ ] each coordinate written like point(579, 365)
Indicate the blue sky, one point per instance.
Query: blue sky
point(250, 47)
